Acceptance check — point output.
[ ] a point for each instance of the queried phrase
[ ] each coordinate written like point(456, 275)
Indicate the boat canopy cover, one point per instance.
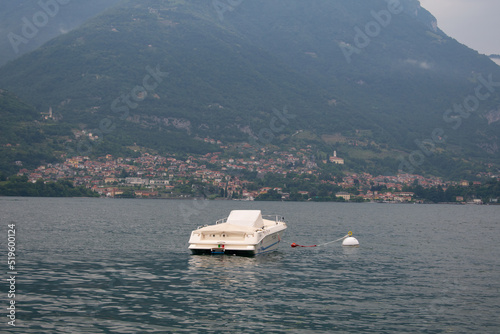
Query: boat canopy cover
point(247, 218)
point(230, 228)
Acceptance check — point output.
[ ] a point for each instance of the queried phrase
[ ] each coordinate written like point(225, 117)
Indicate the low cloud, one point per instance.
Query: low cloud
point(422, 64)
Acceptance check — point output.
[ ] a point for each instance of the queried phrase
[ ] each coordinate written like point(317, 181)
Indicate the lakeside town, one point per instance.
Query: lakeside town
point(215, 176)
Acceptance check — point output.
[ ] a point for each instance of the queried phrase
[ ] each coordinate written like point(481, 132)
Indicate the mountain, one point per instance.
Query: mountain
point(375, 80)
point(24, 140)
point(26, 24)
point(495, 58)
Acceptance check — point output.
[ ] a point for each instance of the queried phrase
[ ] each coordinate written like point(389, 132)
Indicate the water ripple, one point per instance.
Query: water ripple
point(412, 276)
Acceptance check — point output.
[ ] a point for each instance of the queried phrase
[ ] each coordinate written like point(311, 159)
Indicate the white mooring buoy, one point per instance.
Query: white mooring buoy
point(350, 242)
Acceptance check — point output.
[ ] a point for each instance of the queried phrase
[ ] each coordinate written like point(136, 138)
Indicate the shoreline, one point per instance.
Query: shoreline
point(244, 200)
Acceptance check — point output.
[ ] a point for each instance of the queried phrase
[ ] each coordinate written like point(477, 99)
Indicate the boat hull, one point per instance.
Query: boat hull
point(243, 232)
point(268, 244)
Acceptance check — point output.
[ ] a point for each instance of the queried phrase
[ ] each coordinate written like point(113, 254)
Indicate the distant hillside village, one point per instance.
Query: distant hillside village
point(276, 176)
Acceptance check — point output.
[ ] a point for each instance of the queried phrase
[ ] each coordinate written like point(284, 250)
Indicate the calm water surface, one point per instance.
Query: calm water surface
point(122, 266)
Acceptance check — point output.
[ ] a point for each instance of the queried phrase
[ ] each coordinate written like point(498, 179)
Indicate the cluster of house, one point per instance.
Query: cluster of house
point(159, 176)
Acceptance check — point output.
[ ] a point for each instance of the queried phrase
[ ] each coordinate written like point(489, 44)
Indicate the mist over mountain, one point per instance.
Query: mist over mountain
point(375, 80)
point(26, 24)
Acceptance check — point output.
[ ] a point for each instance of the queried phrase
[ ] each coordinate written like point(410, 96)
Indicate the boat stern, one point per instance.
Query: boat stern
point(232, 236)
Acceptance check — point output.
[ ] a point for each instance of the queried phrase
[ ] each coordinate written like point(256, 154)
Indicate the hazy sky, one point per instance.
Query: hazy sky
point(475, 23)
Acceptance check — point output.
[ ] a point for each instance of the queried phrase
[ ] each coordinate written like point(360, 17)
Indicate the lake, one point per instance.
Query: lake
point(122, 266)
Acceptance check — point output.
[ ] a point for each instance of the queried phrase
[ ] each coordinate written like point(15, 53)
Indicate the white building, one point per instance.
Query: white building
point(336, 160)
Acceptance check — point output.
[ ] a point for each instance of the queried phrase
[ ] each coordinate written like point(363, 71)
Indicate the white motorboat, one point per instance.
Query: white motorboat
point(243, 232)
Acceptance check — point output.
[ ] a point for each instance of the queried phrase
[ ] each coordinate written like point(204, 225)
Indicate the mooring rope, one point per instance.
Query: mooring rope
point(326, 243)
